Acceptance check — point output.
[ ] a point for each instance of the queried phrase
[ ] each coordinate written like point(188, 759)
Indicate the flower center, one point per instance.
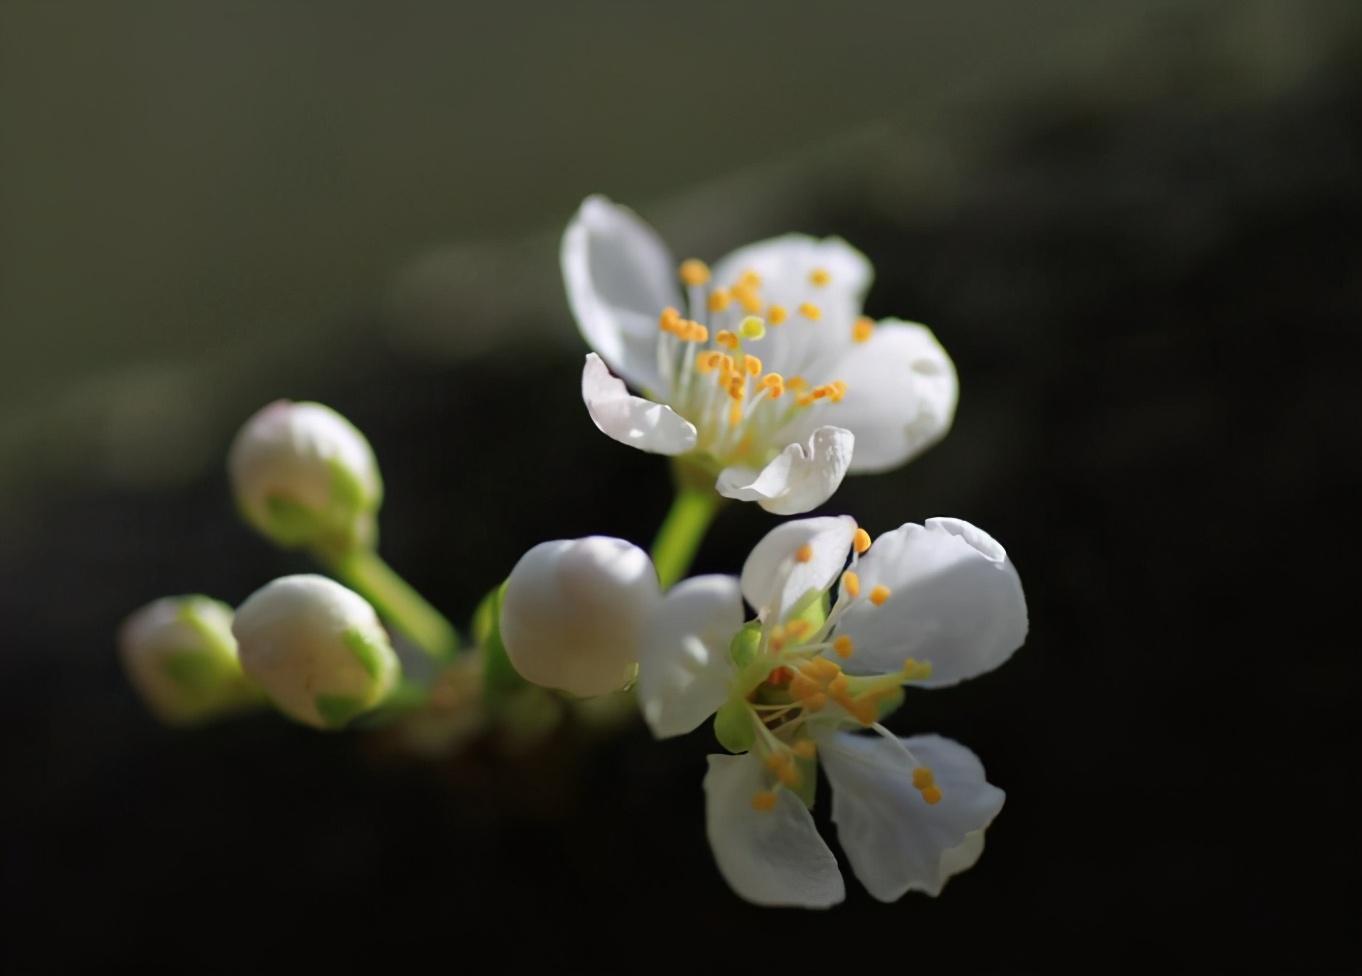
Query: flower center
point(719, 382)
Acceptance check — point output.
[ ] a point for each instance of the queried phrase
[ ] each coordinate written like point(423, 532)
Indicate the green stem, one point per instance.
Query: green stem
point(682, 530)
point(366, 572)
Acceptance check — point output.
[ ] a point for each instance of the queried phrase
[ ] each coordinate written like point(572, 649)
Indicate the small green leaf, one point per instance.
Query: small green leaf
point(367, 651)
point(733, 726)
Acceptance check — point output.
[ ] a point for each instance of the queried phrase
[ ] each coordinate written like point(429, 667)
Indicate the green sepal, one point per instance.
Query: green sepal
point(367, 651)
point(195, 672)
point(290, 524)
point(500, 679)
point(337, 710)
point(733, 726)
point(745, 644)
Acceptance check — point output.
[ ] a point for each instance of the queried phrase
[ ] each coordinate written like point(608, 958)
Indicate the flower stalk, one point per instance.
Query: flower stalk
point(364, 571)
point(683, 529)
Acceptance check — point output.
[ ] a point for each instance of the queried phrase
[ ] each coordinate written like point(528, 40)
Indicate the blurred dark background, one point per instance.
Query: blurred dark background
point(1137, 228)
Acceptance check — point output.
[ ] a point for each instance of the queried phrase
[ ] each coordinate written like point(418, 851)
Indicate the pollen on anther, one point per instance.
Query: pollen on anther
point(932, 795)
point(776, 314)
point(862, 330)
point(804, 553)
point(819, 277)
point(764, 801)
point(719, 299)
point(747, 297)
point(752, 327)
point(861, 540)
point(727, 339)
point(805, 749)
point(694, 271)
point(750, 279)
point(923, 778)
point(879, 594)
point(843, 646)
point(851, 583)
point(752, 364)
point(811, 311)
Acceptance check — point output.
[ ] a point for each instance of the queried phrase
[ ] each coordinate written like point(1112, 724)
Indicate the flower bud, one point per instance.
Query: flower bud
point(303, 475)
point(573, 613)
point(316, 649)
point(180, 655)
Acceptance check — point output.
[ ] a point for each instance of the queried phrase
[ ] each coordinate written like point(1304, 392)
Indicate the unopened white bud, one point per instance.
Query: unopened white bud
point(573, 612)
point(316, 649)
point(303, 475)
point(180, 655)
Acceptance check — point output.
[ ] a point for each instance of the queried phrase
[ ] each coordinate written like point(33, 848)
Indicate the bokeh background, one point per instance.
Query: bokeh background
point(1137, 227)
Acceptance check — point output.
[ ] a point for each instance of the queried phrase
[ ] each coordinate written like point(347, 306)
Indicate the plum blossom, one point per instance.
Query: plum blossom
point(772, 379)
point(796, 689)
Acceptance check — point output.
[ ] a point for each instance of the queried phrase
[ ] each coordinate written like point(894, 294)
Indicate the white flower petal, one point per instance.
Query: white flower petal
point(773, 574)
point(900, 398)
point(573, 613)
point(683, 668)
point(785, 265)
point(772, 857)
point(619, 278)
point(797, 479)
point(955, 601)
point(632, 420)
point(896, 841)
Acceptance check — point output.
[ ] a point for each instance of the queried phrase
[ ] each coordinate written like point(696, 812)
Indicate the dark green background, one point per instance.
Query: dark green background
point(1137, 227)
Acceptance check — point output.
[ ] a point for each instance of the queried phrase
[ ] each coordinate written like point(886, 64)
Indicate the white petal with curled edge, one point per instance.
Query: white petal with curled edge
point(772, 857)
point(773, 574)
point(683, 668)
point(619, 278)
point(632, 420)
point(955, 601)
point(798, 478)
point(895, 840)
point(900, 398)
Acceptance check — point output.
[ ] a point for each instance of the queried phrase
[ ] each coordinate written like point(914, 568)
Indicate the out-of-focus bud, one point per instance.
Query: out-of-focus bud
point(303, 475)
point(316, 649)
point(180, 655)
point(573, 611)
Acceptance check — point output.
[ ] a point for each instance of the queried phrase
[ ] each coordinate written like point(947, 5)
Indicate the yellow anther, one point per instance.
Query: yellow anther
point(914, 670)
point(822, 669)
point(694, 272)
point(752, 327)
point(862, 330)
point(752, 364)
point(735, 415)
point(776, 315)
point(782, 764)
point(737, 387)
point(879, 594)
point(932, 795)
point(811, 311)
point(719, 299)
point(797, 629)
point(748, 298)
point(727, 339)
point(843, 646)
point(695, 332)
point(837, 389)
point(923, 778)
point(764, 801)
point(670, 320)
point(861, 541)
point(804, 553)
point(805, 749)
point(819, 277)
point(797, 383)
point(707, 362)
point(775, 386)
point(749, 279)
point(851, 583)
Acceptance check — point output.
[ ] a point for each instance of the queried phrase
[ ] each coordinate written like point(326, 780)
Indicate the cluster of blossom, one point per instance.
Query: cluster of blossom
point(765, 383)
